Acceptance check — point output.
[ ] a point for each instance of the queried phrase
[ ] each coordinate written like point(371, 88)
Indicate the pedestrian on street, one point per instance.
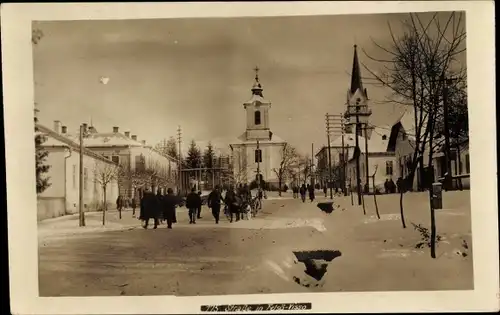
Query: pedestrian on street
point(199, 209)
point(310, 188)
point(214, 202)
point(134, 205)
point(119, 205)
point(169, 204)
point(387, 189)
point(303, 192)
point(392, 186)
point(193, 202)
point(149, 208)
point(325, 191)
point(232, 202)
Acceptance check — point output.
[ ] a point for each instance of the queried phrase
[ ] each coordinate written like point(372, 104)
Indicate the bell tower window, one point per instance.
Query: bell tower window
point(257, 118)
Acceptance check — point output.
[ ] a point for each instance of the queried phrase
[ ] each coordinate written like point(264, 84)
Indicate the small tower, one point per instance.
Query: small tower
point(257, 110)
point(357, 98)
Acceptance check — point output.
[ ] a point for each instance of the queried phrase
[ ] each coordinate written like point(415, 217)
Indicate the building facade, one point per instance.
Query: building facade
point(62, 196)
point(143, 166)
point(257, 143)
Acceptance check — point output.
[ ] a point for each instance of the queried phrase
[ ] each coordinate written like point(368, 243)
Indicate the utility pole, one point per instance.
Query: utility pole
point(312, 165)
point(358, 177)
point(343, 177)
point(330, 176)
point(259, 159)
point(81, 215)
point(367, 186)
point(179, 162)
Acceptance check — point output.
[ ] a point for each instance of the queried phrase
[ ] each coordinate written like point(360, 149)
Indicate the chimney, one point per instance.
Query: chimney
point(134, 137)
point(115, 129)
point(127, 134)
point(57, 126)
point(143, 142)
point(64, 129)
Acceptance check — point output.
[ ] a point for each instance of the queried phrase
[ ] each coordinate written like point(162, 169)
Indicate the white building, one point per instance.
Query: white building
point(257, 133)
point(62, 196)
point(402, 143)
point(131, 154)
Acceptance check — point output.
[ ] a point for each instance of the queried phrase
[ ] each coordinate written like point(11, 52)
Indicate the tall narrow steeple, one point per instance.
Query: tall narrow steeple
point(356, 82)
point(257, 87)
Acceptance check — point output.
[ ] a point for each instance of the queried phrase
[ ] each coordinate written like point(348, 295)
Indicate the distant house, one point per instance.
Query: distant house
point(132, 155)
point(402, 142)
point(62, 196)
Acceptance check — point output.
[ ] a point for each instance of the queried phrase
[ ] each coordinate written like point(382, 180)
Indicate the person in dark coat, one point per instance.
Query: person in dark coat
point(399, 184)
point(199, 208)
point(193, 203)
point(119, 205)
point(232, 202)
point(310, 188)
point(133, 203)
point(325, 191)
point(302, 192)
point(169, 203)
point(387, 187)
point(149, 208)
point(392, 186)
point(214, 202)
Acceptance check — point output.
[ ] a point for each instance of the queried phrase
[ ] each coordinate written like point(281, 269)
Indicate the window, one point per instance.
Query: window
point(258, 156)
point(467, 163)
point(388, 168)
point(115, 159)
point(384, 137)
point(85, 178)
point(74, 176)
point(257, 117)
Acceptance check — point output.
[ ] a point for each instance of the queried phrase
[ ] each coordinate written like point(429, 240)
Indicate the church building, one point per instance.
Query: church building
point(257, 150)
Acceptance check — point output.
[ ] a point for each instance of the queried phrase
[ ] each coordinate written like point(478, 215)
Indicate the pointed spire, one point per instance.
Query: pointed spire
point(257, 87)
point(356, 74)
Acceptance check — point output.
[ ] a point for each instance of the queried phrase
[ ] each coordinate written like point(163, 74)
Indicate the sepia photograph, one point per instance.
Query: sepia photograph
point(248, 155)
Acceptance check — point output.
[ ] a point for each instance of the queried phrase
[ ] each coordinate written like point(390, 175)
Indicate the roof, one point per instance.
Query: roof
point(109, 139)
point(258, 99)
point(243, 140)
point(356, 83)
point(55, 139)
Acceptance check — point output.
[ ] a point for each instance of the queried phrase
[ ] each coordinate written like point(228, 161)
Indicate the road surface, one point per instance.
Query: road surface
point(262, 255)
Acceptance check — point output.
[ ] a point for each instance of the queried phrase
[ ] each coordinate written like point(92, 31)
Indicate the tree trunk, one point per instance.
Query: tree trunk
point(401, 193)
point(105, 207)
point(375, 198)
point(279, 187)
point(363, 202)
point(459, 162)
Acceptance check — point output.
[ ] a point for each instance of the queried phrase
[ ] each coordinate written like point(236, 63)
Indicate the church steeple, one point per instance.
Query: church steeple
point(356, 82)
point(257, 87)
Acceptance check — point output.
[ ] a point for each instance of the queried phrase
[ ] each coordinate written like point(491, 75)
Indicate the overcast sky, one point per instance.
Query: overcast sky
point(198, 72)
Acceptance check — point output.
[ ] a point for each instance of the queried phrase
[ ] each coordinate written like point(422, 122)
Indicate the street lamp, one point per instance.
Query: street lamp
point(361, 113)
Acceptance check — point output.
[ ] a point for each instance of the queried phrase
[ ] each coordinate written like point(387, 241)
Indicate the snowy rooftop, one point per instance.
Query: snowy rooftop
point(107, 140)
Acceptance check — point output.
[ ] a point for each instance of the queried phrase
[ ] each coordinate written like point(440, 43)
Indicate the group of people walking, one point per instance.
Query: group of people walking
point(303, 191)
point(160, 208)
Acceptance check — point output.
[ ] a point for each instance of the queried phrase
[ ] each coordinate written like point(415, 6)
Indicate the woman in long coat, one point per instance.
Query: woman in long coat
point(149, 209)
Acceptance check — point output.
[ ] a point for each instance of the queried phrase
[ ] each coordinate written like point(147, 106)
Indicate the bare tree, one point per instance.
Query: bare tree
point(105, 174)
point(427, 52)
point(289, 156)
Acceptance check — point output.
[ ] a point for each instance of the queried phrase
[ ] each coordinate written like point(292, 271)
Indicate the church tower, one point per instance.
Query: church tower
point(357, 98)
point(257, 112)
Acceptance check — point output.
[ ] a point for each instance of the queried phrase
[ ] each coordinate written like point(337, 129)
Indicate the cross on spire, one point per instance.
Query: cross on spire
point(256, 69)
point(257, 87)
